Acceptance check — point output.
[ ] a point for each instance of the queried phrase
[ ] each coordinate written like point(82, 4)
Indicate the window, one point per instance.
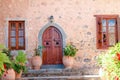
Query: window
point(16, 35)
point(107, 30)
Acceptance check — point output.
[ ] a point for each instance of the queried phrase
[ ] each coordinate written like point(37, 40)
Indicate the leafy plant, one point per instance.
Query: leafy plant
point(21, 57)
point(19, 62)
point(7, 52)
point(38, 50)
point(110, 62)
point(18, 67)
point(1, 47)
point(3, 59)
point(70, 50)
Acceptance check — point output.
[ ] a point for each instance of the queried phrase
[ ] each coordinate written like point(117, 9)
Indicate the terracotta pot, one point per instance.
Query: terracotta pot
point(68, 61)
point(36, 62)
point(9, 75)
point(18, 75)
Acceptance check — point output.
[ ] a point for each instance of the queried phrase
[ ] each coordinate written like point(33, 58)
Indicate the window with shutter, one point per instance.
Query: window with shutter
point(16, 35)
point(107, 30)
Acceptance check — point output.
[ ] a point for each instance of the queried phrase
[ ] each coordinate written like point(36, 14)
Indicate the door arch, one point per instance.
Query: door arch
point(52, 41)
point(56, 26)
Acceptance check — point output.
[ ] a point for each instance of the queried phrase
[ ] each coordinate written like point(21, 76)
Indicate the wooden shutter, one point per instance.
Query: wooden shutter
point(12, 35)
point(118, 24)
point(21, 35)
point(99, 33)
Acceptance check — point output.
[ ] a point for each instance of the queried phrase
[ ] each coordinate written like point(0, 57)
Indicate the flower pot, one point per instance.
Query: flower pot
point(18, 75)
point(68, 61)
point(9, 75)
point(36, 62)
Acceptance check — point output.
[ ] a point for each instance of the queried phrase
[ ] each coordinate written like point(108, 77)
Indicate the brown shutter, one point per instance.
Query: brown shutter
point(99, 33)
point(118, 24)
point(9, 29)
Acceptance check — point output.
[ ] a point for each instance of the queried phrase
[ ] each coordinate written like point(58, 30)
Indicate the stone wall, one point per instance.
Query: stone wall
point(76, 17)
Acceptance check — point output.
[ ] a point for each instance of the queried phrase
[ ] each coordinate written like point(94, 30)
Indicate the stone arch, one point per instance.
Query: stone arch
point(48, 25)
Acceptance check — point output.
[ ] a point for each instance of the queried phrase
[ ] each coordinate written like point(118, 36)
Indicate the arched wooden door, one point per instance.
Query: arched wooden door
point(52, 41)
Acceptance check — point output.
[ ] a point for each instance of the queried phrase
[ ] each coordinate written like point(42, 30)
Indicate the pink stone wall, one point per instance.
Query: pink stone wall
point(76, 17)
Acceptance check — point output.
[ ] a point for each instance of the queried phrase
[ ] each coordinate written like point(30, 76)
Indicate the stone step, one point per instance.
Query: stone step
point(83, 77)
point(57, 72)
point(60, 74)
point(52, 72)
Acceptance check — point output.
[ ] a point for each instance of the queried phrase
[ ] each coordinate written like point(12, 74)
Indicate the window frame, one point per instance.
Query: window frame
point(17, 47)
point(99, 42)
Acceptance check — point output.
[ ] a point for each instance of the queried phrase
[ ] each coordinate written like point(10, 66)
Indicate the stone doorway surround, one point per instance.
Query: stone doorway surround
point(51, 23)
point(45, 27)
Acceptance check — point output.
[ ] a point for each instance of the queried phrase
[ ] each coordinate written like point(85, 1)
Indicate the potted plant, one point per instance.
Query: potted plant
point(9, 73)
point(36, 59)
point(19, 64)
point(6, 70)
point(69, 53)
point(3, 60)
point(110, 63)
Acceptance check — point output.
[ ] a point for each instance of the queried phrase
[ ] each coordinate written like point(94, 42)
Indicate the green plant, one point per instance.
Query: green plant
point(1, 47)
point(19, 62)
point(18, 67)
point(21, 57)
point(7, 52)
point(70, 50)
point(110, 62)
point(38, 50)
point(3, 60)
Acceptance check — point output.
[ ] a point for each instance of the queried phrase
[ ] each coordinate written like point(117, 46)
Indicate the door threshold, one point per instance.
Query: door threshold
point(58, 66)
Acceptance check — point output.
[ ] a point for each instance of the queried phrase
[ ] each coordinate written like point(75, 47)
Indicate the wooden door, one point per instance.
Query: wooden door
point(52, 41)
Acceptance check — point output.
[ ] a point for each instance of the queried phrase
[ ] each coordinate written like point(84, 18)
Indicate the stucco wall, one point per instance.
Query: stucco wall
point(76, 17)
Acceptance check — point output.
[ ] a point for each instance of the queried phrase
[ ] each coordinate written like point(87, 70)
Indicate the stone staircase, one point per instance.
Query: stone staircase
point(59, 74)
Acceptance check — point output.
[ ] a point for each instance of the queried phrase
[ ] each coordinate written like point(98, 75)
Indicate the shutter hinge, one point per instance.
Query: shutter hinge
point(99, 23)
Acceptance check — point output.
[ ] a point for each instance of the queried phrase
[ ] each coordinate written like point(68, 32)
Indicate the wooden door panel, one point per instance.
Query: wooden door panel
point(58, 57)
point(58, 46)
point(52, 40)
